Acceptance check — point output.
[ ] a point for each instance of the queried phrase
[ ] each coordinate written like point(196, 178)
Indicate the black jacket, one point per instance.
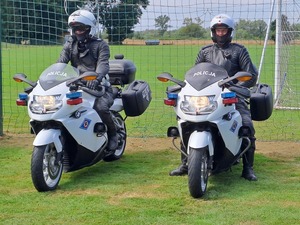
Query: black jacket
point(234, 58)
point(94, 57)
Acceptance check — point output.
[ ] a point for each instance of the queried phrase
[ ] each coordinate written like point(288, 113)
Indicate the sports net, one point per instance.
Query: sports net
point(158, 36)
point(287, 94)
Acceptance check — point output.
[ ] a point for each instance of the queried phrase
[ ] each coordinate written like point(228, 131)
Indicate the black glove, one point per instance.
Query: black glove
point(92, 84)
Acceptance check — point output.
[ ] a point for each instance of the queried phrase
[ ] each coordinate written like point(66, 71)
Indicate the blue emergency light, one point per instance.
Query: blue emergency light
point(73, 95)
point(172, 99)
point(22, 100)
point(228, 95)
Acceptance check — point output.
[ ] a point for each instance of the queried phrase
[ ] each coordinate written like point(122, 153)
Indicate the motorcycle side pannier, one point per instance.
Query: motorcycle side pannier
point(261, 102)
point(121, 71)
point(136, 98)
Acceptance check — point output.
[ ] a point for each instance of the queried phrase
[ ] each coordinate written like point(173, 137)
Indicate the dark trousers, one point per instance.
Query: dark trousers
point(102, 106)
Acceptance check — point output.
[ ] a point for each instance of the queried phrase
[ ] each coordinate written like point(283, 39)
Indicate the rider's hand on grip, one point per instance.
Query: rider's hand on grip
point(73, 87)
point(92, 84)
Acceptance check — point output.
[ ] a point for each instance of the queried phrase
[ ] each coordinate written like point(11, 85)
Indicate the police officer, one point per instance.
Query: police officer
point(233, 57)
point(88, 53)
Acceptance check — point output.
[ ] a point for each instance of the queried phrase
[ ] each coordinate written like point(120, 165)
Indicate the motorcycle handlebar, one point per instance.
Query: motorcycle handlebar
point(81, 84)
point(96, 93)
point(240, 91)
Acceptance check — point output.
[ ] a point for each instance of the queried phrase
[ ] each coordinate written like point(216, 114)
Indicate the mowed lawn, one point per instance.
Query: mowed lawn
point(138, 190)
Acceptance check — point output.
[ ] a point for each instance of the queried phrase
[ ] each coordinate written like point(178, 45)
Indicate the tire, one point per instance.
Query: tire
point(198, 171)
point(46, 167)
point(122, 139)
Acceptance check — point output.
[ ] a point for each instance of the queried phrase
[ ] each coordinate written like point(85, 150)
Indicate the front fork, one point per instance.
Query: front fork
point(197, 140)
point(201, 139)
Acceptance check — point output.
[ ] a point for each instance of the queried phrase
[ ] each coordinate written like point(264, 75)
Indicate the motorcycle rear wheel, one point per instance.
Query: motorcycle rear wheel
point(46, 167)
point(198, 171)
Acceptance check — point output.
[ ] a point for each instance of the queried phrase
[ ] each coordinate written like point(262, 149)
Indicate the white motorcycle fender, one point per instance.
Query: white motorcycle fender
point(45, 137)
point(201, 140)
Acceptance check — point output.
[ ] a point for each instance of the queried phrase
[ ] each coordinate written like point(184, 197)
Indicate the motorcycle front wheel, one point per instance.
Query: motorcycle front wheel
point(46, 167)
point(198, 171)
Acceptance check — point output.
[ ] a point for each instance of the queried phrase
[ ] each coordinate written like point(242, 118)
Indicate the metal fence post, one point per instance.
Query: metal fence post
point(1, 93)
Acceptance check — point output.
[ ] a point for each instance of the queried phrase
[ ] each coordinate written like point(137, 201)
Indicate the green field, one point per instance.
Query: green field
point(138, 190)
point(150, 61)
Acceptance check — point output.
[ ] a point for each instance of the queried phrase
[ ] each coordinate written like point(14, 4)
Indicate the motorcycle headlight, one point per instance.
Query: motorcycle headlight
point(198, 105)
point(45, 104)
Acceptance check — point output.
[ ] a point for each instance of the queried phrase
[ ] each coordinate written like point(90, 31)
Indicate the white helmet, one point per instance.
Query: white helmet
point(80, 19)
point(225, 21)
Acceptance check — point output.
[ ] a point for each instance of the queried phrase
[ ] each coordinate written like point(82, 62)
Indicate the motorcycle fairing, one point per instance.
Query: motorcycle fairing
point(204, 74)
point(229, 131)
point(57, 74)
point(82, 129)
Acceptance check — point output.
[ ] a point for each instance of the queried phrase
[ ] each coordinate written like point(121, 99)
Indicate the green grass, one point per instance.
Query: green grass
point(138, 190)
point(150, 61)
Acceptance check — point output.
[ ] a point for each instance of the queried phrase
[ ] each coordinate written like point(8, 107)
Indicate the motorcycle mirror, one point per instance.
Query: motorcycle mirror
point(21, 77)
point(89, 78)
point(243, 76)
point(89, 75)
point(164, 77)
point(240, 76)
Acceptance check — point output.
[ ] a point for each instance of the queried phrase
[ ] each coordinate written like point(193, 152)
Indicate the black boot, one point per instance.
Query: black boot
point(248, 160)
point(111, 132)
point(180, 171)
point(183, 168)
point(112, 142)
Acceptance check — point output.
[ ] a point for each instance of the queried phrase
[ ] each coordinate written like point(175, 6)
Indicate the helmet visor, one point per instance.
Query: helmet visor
point(78, 27)
point(221, 31)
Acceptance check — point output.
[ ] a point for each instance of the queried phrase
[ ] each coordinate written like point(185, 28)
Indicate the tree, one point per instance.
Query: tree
point(247, 29)
point(39, 21)
point(162, 23)
point(285, 26)
point(120, 16)
point(191, 29)
point(44, 21)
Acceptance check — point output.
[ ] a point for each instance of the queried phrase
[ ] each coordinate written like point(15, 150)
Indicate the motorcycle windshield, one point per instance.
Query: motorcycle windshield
point(57, 74)
point(205, 74)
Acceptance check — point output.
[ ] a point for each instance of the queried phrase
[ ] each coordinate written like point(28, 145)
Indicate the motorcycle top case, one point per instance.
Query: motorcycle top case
point(261, 102)
point(121, 71)
point(136, 98)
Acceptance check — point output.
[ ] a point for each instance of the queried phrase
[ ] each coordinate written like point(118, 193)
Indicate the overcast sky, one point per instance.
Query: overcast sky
point(177, 10)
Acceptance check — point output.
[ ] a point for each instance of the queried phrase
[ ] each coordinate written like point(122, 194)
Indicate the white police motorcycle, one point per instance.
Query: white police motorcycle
point(69, 133)
point(209, 126)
